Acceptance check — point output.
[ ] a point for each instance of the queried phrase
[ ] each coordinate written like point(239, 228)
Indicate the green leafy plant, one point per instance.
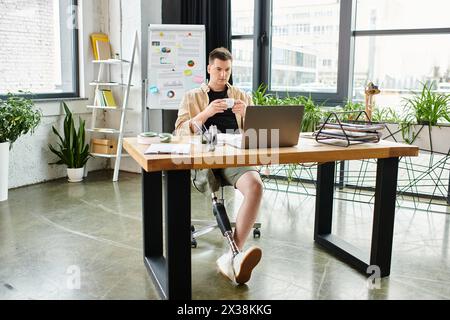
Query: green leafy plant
point(385, 115)
point(391, 116)
point(428, 107)
point(262, 98)
point(353, 107)
point(72, 149)
point(17, 117)
point(313, 112)
point(408, 133)
point(260, 95)
point(425, 108)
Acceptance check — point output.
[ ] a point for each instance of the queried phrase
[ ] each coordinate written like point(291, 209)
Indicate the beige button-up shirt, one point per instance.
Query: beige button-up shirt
point(196, 100)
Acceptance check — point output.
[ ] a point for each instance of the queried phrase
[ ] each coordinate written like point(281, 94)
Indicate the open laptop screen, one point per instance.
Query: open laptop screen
point(272, 126)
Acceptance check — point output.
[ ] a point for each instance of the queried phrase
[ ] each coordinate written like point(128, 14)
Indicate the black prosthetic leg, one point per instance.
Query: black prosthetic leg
point(224, 223)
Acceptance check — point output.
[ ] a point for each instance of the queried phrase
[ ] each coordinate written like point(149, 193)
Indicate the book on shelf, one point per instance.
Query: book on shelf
point(99, 99)
point(103, 50)
point(104, 98)
point(109, 98)
point(97, 38)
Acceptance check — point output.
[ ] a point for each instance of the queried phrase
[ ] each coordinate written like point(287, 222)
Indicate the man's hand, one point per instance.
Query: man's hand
point(240, 107)
point(217, 106)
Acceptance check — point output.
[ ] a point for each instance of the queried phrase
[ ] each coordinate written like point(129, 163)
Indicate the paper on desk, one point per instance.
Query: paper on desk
point(227, 138)
point(355, 127)
point(167, 148)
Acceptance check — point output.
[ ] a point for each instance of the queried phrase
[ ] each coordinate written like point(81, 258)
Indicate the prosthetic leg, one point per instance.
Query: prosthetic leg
point(242, 263)
point(224, 223)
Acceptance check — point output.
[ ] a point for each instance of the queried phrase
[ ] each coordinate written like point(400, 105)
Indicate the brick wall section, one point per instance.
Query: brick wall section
point(27, 46)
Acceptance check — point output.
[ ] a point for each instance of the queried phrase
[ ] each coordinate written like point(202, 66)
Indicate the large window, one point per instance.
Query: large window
point(305, 45)
point(332, 49)
point(400, 45)
point(39, 49)
point(292, 46)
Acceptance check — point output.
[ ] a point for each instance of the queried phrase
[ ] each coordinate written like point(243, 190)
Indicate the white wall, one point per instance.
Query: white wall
point(30, 155)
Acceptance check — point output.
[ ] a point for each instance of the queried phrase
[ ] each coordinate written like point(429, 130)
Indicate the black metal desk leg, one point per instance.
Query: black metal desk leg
point(171, 273)
point(178, 233)
point(343, 169)
point(324, 199)
point(384, 214)
point(152, 230)
point(152, 214)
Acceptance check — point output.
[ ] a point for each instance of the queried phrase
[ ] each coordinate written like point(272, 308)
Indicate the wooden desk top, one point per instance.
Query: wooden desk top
point(308, 150)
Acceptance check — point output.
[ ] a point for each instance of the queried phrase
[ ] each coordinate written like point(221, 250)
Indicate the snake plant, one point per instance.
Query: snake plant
point(71, 149)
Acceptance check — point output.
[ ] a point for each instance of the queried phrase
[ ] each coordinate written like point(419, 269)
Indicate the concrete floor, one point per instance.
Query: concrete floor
point(52, 232)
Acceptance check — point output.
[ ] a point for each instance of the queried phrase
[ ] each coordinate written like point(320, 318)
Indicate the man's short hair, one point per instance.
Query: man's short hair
point(220, 53)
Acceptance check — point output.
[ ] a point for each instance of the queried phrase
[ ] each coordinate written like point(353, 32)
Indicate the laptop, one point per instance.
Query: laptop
point(268, 127)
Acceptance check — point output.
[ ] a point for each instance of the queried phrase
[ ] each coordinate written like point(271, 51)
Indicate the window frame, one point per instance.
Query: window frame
point(75, 74)
point(238, 37)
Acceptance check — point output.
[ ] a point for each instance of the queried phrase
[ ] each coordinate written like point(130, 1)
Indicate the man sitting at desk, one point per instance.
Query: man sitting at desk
point(206, 106)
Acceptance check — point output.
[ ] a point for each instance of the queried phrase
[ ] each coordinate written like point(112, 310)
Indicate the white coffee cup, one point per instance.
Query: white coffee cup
point(229, 102)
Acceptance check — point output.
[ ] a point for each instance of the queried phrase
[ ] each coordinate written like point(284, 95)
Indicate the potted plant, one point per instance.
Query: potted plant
point(387, 115)
point(262, 98)
point(17, 117)
point(72, 149)
point(313, 113)
point(422, 123)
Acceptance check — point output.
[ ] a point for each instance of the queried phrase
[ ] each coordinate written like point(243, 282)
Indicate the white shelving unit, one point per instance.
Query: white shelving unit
point(103, 81)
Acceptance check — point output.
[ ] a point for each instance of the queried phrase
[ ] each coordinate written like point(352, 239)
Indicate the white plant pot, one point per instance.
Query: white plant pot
point(4, 166)
point(75, 174)
point(439, 136)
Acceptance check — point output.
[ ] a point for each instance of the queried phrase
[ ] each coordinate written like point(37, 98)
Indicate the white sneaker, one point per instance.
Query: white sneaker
point(245, 262)
point(225, 265)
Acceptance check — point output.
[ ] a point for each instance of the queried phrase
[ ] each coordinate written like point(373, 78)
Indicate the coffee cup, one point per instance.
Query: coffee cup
point(229, 102)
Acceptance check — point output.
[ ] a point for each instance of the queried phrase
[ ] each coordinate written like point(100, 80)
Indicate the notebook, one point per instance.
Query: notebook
point(103, 50)
point(98, 37)
point(168, 148)
point(109, 98)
